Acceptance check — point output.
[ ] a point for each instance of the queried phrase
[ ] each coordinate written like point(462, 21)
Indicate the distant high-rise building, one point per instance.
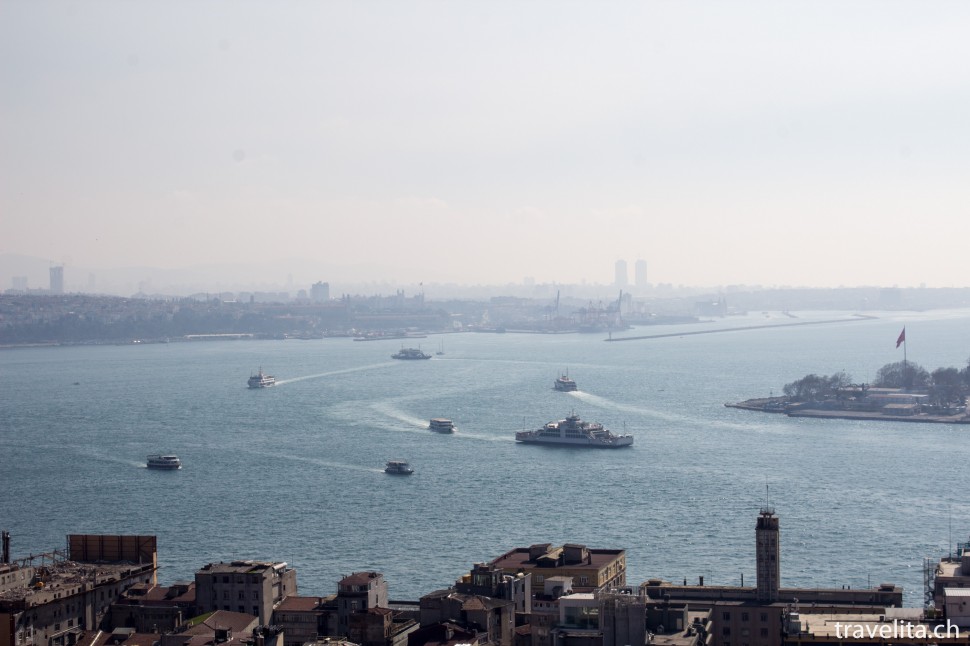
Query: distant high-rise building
point(320, 292)
point(19, 283)
point(621, 275)
point(57, 279)
point(640, 273)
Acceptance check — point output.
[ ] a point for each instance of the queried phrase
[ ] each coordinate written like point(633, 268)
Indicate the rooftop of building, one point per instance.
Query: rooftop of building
point(62, 578)
point(296, 603)
point(128, 637)
point(242, 567)
point(885, 594)
point(567, 556)
point(178, 593)
point(361, 578)
point(871, 624)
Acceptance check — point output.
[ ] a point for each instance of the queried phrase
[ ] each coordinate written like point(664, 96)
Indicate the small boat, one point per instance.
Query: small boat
point(410, 353)
point(564, 384)
point(441, 349)
point(398, 468)
point(261, 380)
point(168, 462)
point(442, 425)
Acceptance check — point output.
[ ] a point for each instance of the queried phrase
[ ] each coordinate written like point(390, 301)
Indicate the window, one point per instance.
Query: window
point(242, 608)
point(726, 630)
point(256, 610)
point(242, 595)
point(744, 616)
point(764, 616)
point(764, 632)
point(726, 616)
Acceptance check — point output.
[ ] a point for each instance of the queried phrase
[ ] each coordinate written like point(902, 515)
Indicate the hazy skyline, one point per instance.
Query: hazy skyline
point(801, 143)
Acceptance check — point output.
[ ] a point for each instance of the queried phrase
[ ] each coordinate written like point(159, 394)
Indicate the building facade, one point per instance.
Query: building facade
point(250, 587)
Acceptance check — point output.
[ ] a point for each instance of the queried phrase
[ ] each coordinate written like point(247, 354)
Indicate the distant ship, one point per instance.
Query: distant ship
point(410, 353)
point(441, 425)
point(261, 380)
point(565, 384)
point(398, 468)
point(168, 462)
point(573, 431)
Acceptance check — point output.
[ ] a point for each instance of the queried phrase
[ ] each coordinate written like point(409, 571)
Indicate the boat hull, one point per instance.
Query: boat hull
point(619, 444)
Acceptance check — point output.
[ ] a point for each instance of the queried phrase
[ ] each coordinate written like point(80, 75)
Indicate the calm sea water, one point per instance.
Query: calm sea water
point(294, 473)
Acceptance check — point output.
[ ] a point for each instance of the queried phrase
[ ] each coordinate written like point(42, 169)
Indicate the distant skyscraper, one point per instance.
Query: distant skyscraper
point(621, 275)
point(19, 283)
point(640, 273)
point(57, 279)
point(320, 292)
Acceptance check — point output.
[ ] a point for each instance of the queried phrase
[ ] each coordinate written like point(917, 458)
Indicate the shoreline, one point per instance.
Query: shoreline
point(775, 405)
point(853, 318)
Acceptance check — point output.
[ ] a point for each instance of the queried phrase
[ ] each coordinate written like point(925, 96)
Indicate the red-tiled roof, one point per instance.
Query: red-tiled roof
point(360, 578)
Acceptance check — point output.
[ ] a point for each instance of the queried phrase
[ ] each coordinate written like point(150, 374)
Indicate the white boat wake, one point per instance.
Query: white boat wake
point(324, 463)
point(281, 382)
point(607, 404)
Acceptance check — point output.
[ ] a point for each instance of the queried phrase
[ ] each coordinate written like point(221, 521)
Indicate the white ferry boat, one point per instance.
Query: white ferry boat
point(442, 425)
point(573, 431)
point(261, 380)
point(565, 384)
point(169, 462)
point(398, 468)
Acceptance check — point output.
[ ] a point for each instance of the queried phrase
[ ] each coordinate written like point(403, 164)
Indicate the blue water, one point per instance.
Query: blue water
point(294, 473)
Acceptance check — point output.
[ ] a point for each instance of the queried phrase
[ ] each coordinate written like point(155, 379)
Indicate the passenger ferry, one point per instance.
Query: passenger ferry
point(573, 431)
point(442, 425)
point(398, 468)
point(564, 384)
point(261, 380)
point(410, 353)
point(168, 462)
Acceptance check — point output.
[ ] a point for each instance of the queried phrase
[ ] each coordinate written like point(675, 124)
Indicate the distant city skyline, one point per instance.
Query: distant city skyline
point(35, 275)
point(813, 144)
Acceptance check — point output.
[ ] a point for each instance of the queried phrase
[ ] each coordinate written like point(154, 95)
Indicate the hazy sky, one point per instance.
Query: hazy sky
point(781, 143)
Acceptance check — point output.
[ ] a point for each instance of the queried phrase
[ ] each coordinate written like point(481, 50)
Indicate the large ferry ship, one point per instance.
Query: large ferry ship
point(261, 380)
point(573, 431)
point(410, 353)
